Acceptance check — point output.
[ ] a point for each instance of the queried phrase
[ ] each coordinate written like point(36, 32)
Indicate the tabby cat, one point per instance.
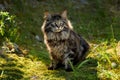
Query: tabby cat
point(63, 44)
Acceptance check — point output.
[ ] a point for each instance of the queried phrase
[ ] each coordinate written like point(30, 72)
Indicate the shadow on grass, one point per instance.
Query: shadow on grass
point(86, 72)
point(9, 70)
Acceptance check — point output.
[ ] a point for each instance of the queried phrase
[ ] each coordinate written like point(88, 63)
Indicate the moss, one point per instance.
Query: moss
point(94, 21)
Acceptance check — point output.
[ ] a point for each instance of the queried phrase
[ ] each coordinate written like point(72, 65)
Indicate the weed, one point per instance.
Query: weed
point(97, 21)
point(8, 27)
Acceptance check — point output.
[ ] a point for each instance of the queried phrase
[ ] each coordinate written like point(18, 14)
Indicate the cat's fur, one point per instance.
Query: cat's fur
point(63, 44)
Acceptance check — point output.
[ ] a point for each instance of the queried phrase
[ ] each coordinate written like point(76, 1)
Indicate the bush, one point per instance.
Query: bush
point(8, 27)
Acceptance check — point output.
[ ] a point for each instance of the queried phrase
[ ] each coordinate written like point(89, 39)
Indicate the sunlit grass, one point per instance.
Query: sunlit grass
point(92, 21)
point(108, 60)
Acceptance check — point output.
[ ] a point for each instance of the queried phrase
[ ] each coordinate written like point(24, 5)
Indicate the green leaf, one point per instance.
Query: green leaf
point(82, 63)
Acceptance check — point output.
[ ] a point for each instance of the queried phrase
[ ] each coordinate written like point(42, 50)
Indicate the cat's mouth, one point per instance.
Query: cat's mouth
point(58, 30)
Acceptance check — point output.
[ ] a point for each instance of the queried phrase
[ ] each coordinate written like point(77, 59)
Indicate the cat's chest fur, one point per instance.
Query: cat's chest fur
point(59, 43)
point(60, 40)
point(58, 48)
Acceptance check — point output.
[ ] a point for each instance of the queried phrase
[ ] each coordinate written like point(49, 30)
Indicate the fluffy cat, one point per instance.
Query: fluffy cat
point(63, 44)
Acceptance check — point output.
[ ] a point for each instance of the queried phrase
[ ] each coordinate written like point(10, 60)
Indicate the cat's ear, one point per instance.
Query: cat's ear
point(64, 14)
point(47, 15)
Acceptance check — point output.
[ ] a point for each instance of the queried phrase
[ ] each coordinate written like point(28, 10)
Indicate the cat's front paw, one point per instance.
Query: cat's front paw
point(50, 68)
point(68, 69)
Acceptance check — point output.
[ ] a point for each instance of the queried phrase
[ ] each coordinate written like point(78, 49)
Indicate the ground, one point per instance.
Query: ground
point(98, 23)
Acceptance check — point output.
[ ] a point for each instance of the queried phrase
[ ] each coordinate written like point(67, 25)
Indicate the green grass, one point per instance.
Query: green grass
point(94, 21)
point(108, 60)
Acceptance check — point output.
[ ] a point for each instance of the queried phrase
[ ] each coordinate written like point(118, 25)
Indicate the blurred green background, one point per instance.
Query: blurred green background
point(94, 19)
point(98, 21)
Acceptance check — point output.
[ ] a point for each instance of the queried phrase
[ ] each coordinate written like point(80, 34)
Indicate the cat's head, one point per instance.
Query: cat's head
point(56, 22)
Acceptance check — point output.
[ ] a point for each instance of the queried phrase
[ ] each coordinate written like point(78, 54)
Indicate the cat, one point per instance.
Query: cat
point(62, 42)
